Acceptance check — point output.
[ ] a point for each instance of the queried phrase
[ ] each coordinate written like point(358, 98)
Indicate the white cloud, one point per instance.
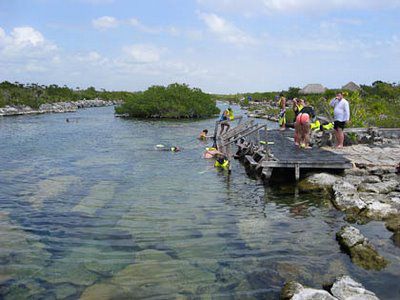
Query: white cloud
point(141, 53)
point(24, 41)
point(251, 7)
point(141, 27)
point(105, 22)
point(226, 31)
point(136, 23)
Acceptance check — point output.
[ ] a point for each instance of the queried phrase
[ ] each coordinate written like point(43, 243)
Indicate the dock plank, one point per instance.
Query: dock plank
point(285, 154)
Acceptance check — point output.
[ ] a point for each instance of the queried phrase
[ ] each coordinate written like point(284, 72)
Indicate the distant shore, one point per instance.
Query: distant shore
point(57, 107)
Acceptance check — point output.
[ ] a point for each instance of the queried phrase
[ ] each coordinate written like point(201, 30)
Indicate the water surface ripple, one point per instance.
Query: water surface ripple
point(88, 209)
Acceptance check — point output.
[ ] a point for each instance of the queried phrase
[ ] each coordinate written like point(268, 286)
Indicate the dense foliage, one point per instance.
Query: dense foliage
point(173, 101)
point(374, 105)
point(34, 95)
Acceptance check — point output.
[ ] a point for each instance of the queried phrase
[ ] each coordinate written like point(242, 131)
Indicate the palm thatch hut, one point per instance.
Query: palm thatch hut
point(314, 88)
point(351, 86)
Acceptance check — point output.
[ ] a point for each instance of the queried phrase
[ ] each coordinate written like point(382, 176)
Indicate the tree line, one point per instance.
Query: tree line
point(34, 95)
point(377, 104)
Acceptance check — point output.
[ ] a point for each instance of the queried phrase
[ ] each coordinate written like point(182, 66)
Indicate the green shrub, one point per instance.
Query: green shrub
point(175, 101)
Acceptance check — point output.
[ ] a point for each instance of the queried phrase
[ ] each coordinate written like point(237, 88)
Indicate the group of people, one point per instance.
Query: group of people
point(305, 119)
point(221, 160)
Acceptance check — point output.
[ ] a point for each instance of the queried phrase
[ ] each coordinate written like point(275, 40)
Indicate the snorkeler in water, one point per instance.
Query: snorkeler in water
point(161, 147)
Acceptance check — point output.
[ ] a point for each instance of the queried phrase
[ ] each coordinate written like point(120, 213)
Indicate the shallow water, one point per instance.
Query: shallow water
point(90, 208)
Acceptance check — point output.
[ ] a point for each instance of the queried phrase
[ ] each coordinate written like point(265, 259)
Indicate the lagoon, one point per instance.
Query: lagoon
point(89, 208)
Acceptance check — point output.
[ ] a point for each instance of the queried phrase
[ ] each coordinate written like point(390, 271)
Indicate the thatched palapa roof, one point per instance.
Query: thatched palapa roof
point(314, 88)
point(351, 86)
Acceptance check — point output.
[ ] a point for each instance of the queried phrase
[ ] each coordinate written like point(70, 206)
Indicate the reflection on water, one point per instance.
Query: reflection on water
point(91, 210)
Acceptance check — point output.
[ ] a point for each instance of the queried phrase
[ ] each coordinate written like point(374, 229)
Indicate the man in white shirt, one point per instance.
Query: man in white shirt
point(341, 115)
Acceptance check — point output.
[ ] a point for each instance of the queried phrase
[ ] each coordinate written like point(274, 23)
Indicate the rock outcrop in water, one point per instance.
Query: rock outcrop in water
point(58, 107)
point(343, 288)
point(361, 251)
point(360, 193)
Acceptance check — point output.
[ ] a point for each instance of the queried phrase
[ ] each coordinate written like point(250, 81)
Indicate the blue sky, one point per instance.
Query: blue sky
point(221, 46)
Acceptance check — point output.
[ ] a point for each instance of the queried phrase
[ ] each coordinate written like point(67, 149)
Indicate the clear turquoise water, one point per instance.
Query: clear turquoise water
point(89, 208)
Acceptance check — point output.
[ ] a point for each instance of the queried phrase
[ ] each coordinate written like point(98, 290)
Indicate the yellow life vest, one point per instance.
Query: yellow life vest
point(315, 125)
point(211, 149)
point(225, 164)
point(299, 107)
point(231, 116)
point(328, 126)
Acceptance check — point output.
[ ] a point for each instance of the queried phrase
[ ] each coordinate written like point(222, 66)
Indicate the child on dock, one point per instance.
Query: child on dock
point(282, 113)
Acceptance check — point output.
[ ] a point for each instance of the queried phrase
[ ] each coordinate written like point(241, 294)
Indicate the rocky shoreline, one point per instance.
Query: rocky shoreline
point(343, 288)
point(58, 107)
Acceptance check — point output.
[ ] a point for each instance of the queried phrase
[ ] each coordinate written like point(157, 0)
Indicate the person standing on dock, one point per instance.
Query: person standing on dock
point(224, 121)
point(341, 115)
point(282, 113)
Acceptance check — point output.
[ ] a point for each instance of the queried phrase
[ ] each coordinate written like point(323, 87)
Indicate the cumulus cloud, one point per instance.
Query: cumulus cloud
point(226, 31)
point(25, 41)
point(136, 23)
point(105, 22)
point(141, 53)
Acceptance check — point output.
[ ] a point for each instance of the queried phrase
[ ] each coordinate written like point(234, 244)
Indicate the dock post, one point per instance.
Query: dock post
point(267, 172)
point(297, 172)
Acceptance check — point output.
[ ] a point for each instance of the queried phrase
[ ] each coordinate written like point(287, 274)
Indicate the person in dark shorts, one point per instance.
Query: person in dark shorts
point(341, 115)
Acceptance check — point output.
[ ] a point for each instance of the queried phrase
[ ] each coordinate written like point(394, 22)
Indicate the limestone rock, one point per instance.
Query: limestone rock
point(396, 238)
point(356, 172)
point(321, 181)
point(379, 211)
point(393, 224)
point(295, 291)
point(380, 170)
point(346, 288)
point(354, 180)
point(350, 236)
point(361, 251)
point(371, 179)
point(379, 188)
point(346, 197)
point(290, 289)
point(313, 294)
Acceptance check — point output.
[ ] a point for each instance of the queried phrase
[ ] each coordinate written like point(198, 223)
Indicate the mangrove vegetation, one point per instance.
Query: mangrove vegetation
point(375, 105)
point(34, 95)
point(174, 101)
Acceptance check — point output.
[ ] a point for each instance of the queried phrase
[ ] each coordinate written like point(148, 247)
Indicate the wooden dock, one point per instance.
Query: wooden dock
point(278, 153)
point(270, 151)
point(284, 154)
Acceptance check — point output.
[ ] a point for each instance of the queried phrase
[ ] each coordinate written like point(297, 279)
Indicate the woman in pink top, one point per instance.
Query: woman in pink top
point(302, 130)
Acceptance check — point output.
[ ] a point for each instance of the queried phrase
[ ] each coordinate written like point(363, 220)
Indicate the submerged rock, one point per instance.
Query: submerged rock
point(347, 288)
point(102, 291)
point(393, 224)
point(154, 274)
point(49, 189)
point(361, 251)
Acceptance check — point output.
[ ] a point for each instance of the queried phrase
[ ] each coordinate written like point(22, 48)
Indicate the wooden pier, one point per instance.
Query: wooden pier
point(282, 153)
point(269, 151)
